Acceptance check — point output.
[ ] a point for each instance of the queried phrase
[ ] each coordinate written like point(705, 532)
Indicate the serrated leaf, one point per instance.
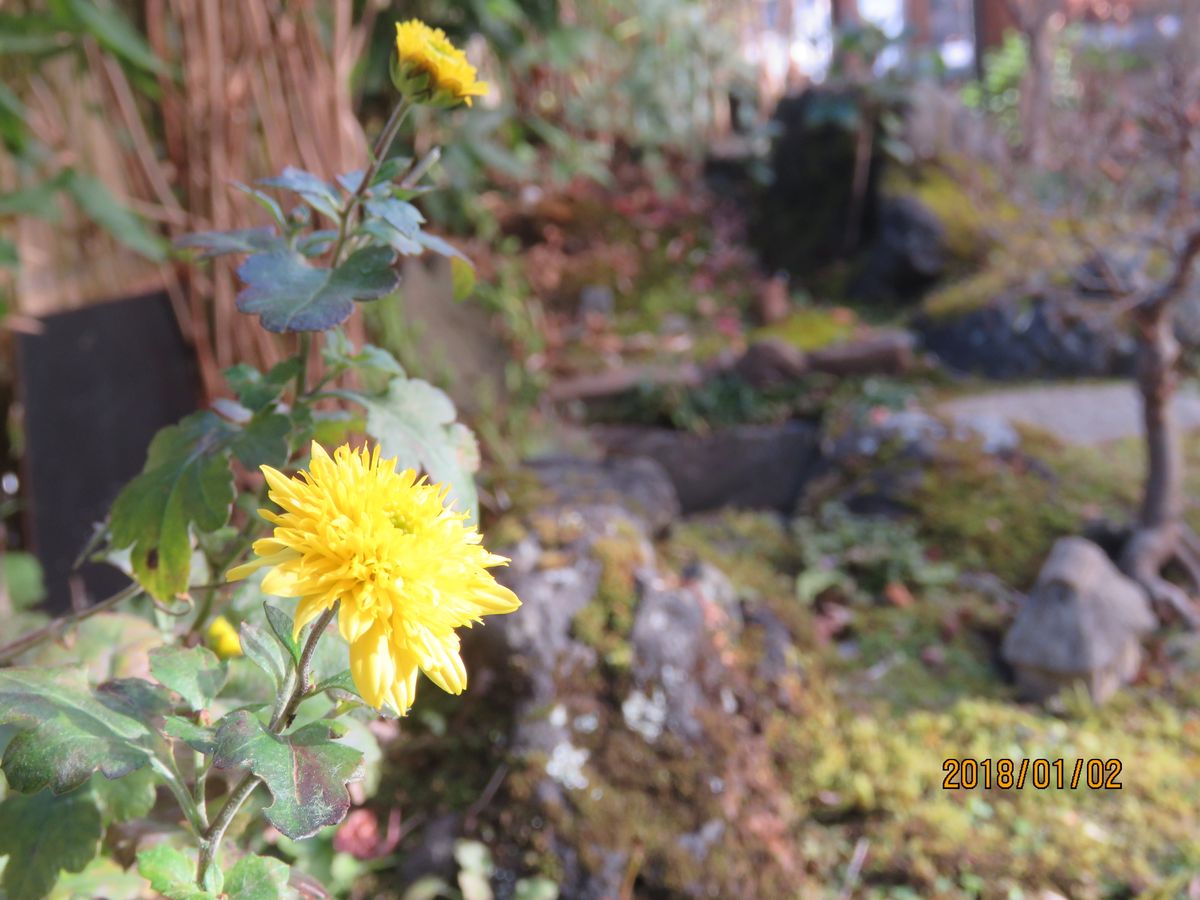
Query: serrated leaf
point(43, 834)
point(186, 481)
point(414, 422)
point(171, 872)
point(124, 799)
point(290, 295)
point(263, 440)
point(265, 652)
point(66, 731)
point(220, 243)
point(340, 353)
point(281, 626)
point(305, 771)
point(258, 878)
point(318, 194)
point(194, 673)
point(257, 391)
point(197, 737)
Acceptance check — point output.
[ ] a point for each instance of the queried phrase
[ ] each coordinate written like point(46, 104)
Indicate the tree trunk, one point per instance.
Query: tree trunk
point(1039, 87)
point(1159, 535)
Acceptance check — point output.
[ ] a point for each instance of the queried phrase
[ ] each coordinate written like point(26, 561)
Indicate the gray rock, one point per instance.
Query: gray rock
point(770, 363)
point(1081, 624)
point(1019, 337)
point(639, 485)
point(746, 466)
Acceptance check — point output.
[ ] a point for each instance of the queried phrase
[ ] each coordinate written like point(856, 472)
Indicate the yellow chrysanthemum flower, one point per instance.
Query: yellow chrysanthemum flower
point(407, 569)
point(223, 638)
point(429, 69)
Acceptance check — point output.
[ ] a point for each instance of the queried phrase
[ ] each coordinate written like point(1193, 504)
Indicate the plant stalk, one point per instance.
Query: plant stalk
point(378, 152)
point(210, 839)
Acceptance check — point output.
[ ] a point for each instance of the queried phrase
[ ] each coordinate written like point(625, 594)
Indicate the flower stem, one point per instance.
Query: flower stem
point(210, 839)
point(378, 152)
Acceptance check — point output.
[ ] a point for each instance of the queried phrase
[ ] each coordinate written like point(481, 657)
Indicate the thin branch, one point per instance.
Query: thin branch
point(1177, 282)
point(15, 648)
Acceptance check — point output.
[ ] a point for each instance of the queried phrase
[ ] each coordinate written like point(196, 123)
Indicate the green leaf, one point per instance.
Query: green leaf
point(537, 888)
point(265, 652)
point(111, 644)
point(66, 731)
point(106, 211)
point(257, 391)
point(220, 243)
point(258, 878)
point(199, 738)
point(263, 440)
point(281, 626)
point(439, 246)
point(186, 481)
point(462, 277)
point(124, 799)
point(194, 673)
point(290, 295)
point(43, 834)
point(39, 200)
point(22, 579)
point(414, 421)
point(102, 877)
point(171, 872)
point(318, 194)
point(404, 217)
point(305, 771)
point(10, 257)
point(339, 353)
point(114, 32)
point(266, 201)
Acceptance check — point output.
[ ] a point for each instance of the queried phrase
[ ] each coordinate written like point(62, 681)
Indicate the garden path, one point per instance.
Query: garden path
point(1089, 413)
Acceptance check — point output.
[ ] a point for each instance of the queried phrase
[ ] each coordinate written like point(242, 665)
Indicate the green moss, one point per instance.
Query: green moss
point(963, 223)
point(607, 621)
point(966, 294)
point(811, 328)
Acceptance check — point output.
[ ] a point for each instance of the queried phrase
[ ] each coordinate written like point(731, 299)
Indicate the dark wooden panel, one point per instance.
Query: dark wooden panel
point(96, 385)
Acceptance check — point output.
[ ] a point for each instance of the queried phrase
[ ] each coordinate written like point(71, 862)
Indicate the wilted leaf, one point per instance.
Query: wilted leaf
point(43, 834)
point(66, 731)
point(290, 295)
point(305, 771)
point(194, 673)
point(186, 481)
point(414, 421)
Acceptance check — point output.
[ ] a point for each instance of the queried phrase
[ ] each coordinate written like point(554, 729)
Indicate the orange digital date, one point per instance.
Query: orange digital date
point(1042, 774)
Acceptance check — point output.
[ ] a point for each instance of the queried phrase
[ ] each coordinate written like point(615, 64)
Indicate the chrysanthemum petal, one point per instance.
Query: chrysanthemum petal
point(406, 569)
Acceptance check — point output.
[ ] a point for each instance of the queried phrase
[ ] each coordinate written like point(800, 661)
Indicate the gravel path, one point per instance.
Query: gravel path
point(1077, 413)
